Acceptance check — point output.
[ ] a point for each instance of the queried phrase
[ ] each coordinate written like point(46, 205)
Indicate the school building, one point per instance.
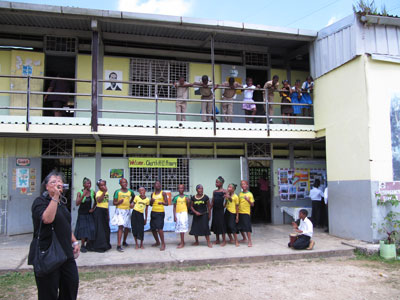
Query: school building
point(108, 132)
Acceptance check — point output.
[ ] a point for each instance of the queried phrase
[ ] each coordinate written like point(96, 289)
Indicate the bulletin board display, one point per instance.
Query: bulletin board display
point(295, 184)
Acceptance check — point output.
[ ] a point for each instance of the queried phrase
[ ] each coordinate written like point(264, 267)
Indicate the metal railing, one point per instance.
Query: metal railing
point(28, 92)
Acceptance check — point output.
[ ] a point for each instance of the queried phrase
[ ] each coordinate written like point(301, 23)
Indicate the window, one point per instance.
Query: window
point(170, 178)
point(60, 44)
point(56, 148)
point(257, 59)
point(156, 71)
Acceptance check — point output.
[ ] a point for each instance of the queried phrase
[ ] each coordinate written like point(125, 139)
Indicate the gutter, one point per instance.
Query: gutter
point(381, 20)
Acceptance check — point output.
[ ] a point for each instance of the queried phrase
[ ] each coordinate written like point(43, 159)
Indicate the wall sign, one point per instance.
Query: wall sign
point(145, 162)
point(23, 162)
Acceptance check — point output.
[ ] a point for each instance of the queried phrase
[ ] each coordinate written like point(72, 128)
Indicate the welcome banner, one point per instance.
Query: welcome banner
point(146, 162)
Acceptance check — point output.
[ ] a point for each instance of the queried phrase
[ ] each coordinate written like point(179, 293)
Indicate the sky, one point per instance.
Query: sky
point(304, 14)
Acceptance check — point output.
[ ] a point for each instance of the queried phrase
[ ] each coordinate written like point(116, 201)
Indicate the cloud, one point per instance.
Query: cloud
point(332, 20)
point(163, 7)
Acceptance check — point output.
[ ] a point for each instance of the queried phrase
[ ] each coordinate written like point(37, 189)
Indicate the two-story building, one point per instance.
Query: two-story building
point(104, 129)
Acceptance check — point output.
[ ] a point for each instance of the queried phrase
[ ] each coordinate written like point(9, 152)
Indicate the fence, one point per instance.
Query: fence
point(94, 110)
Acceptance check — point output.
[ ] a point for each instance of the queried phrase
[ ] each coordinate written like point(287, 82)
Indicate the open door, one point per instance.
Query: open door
point(244, 169)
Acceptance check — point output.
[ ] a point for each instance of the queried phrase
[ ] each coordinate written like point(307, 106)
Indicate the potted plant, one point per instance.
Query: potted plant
point(390, 225)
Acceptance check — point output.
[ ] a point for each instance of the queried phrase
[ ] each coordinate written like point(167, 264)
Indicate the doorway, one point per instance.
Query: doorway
point(259, 77)
point(63, 165)
point(60, 66)
point(260, 185)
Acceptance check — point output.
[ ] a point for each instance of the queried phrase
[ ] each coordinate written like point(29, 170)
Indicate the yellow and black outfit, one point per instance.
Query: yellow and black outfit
point(200, 223)
point(230, 214)
point(137, 220)
point(244, 224)
point(122, 215)
point(157, 212)
point(101, 242)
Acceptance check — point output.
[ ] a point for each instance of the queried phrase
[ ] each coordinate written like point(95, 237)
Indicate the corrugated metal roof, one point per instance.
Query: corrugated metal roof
point(347, 38)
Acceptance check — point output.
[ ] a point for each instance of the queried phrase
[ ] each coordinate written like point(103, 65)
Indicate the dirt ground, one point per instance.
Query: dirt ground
point(334, 278)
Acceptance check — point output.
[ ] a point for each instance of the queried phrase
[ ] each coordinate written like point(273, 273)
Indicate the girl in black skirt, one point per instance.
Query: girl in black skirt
point(140, 205)
point(84, 229)
point(101, 242)
point(217, 205)
point(201, 209)
point(232, 213)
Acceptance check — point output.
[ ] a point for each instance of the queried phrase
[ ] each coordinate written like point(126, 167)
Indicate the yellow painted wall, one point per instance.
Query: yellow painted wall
point(341, 109)
point(84, 71)
point(5, 65)
point(382, 82)
point(19, 59)
point(13, 147)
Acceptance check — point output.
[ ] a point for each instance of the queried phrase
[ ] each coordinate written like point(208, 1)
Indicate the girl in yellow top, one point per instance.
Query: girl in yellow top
point(181, 204)
point(158, 201)
point(140, 204)
point(101, 242)
point(123, 197)
point(231, 216)
point(246, 201)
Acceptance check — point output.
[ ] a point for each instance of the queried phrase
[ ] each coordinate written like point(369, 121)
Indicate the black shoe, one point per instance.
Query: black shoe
point(125, 244)
point(83, 249)
point(120, 249)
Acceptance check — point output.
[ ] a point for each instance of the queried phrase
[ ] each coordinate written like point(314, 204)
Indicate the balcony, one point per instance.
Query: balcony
point(95, 114)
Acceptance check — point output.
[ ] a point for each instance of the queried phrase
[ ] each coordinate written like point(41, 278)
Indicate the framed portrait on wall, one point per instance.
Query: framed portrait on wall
point(113, 75)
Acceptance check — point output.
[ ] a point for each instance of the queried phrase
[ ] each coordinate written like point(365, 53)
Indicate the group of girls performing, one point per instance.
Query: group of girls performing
point(230, 215)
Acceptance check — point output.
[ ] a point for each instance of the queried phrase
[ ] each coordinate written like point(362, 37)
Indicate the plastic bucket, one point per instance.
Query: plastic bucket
point(387, 251)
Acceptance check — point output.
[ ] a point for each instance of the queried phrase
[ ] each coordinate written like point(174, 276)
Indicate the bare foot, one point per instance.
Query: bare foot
point(136, 247)
point(181, 245)
point(216, 242)
point(237, 244)
point(223, 244)
point(209, 245)
point(141, 247)
point(250, 244)
point(243, 241)
point(155, 245)
point(231, 242)
point(195, 244)
point(162, 247)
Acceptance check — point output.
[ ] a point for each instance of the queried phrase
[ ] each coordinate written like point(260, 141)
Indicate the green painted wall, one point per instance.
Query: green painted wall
point(206, 171)
point(113, 163)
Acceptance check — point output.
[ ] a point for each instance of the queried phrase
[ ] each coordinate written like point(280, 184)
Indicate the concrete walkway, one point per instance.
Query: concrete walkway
point(269, 243)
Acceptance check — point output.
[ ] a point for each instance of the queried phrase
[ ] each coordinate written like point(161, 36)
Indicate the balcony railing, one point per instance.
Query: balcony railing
point(94, 110)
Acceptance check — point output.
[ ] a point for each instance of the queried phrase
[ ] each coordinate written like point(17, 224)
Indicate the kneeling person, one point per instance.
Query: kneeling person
point(305, 229)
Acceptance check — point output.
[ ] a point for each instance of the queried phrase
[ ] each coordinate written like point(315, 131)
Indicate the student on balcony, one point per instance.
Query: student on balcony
point(286, 110)
point(206, 94)
point(271, 86)
point(307, 89)
point(182, 93)
point(229, 95)
point(58, 101)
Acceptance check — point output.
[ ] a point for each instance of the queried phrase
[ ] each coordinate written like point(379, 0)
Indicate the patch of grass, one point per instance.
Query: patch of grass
point(375, 258)
point(15, 282)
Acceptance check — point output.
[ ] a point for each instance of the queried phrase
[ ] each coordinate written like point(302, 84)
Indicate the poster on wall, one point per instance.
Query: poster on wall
point(113, 75)
point(294, 184)
point(395, 130)
point(116, 173)
point(22, 178)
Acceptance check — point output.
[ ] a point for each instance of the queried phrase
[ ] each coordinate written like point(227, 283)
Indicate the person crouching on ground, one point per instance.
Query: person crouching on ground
point(158, 201)
point(139, 205)
point(305, 229)
point(181, 203)
point(123, 197)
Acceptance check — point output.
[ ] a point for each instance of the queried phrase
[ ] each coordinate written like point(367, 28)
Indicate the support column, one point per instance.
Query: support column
point(213, 82)
point(291, 155)
point(95, 59)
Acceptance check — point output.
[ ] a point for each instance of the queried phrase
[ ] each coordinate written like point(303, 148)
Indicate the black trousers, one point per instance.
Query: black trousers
point(302, 242)
point(62, 284)
point(316, 213)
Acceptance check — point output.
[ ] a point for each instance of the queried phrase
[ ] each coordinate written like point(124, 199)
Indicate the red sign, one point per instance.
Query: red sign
point(23, 162)
point(389, 188)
